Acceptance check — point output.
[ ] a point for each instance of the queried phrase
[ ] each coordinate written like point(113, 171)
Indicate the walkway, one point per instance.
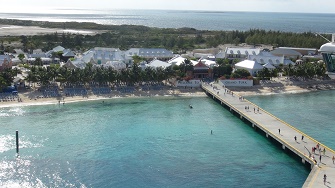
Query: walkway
point(283, 133)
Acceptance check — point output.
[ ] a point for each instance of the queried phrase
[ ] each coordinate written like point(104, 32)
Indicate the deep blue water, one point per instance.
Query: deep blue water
point(148, 142)
point(203, 20)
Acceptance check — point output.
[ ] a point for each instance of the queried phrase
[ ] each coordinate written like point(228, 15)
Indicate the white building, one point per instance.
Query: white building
point(266, 57)
point(150, 53)
point(101, 56)
point(252, 66)
point(177, 60)
point(158, 64)
point(241, 53)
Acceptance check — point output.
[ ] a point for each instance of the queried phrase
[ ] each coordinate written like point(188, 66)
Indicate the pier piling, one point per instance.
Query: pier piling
point(17, 142)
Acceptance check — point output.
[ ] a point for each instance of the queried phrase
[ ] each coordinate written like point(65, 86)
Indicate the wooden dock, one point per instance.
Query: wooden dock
point(291, 139)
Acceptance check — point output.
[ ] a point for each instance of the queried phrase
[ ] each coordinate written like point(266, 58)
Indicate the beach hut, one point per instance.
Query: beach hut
point(252, 66)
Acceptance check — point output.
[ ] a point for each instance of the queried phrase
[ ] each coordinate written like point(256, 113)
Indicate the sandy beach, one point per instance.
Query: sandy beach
point(33, 97)
point(284, 86)
point(14, 30)
point(270, 87)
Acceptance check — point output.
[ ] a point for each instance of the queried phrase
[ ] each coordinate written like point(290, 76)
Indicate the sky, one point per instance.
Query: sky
point(304, 6)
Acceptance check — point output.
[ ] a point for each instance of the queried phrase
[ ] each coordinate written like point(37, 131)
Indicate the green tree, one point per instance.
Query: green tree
point(21, 57)
point(240, 73)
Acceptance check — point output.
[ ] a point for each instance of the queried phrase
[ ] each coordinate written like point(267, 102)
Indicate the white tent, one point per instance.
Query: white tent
point(252, 66)
point(158, 63)
point(178, 60)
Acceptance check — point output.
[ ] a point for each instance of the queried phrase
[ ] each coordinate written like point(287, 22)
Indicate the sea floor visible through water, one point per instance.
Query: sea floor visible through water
point(145, 142)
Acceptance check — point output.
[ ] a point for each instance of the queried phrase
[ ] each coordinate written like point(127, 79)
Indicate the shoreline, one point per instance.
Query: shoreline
point(18, 30)
point(30, 98)
point(269, 87)
point(284, 86)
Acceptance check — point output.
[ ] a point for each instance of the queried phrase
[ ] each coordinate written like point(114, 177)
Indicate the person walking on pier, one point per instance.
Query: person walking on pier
point(302, 137)
point(320, 158)
point(333, 159)
point(279, 131)
point(324, 179)
point(295, 138)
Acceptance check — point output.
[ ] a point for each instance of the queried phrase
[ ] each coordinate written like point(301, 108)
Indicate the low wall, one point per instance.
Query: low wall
point(236, 83)
point(190, 83)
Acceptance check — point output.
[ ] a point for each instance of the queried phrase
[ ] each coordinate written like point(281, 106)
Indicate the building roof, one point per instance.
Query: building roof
point(58, 49)
point(177, 60)
point(19, 51)
point(68, 53)
point(285, 52)
point(103, 55)
point(36, 55)
point(208, 62)
point(249, 64)
point(158, 63)
point(269, 66)
point(242, 51)
point(2, 57)
point(133, 51)
point(155, 52)
point(38, 51)
point(293, 48)
point(220, 55)
point(264, 58)
point(77, 63)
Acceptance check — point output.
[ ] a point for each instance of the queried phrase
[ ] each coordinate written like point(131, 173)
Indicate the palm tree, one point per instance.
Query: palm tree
point(111, 75)
point(32, 76)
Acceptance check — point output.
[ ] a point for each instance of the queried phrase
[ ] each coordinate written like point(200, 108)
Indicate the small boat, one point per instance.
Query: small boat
point(190, 106)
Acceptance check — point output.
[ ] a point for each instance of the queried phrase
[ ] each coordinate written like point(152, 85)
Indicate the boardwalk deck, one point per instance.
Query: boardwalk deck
point(270, 125)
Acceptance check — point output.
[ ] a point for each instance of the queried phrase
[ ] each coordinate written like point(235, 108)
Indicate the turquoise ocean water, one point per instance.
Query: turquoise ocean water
point(312, 113)
point(155, 142)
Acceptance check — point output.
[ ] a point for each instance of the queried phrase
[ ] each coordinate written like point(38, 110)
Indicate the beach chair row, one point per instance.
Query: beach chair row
point(49, 94)
point(125, 89)
point(101, 90)
point(75, 91)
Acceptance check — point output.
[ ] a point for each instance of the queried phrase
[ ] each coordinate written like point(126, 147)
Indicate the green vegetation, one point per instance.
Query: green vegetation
point(128, 36)
point(178, 40)
point(135, 75)
point(98, 75)
point(7, 76)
